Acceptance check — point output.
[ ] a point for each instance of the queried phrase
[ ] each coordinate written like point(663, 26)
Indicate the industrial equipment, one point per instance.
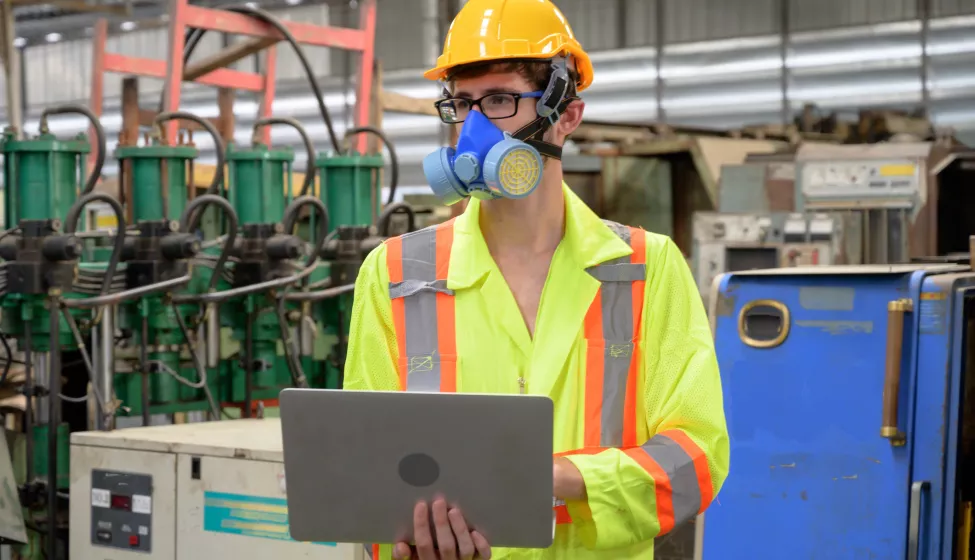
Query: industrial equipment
point(851, 412)
point(729, 242)
point(886, 195)
point(184, 492)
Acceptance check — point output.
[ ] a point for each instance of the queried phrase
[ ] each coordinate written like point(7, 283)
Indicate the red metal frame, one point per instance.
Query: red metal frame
point(184, 15)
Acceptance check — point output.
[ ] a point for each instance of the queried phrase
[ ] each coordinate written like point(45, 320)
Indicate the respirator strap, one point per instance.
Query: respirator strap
point(538, 127)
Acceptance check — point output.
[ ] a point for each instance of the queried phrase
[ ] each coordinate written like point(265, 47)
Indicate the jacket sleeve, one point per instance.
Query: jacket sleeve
point(370, 362)
point(636, 494)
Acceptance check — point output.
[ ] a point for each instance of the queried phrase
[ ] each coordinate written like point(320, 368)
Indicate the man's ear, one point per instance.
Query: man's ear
point(571, 118)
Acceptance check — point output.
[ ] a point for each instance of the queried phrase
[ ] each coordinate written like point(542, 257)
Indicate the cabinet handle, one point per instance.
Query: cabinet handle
point(892, 372)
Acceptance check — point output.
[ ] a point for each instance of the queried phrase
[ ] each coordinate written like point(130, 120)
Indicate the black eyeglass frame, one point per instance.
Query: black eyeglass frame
point(475, 103)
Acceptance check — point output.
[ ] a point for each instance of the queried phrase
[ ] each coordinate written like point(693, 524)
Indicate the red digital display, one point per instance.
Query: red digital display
point(122, 502)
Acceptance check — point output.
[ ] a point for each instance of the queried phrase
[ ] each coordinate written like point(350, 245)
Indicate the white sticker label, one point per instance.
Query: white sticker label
point(100, 498)
point(141, 504)
point(143, 530)
point(282, 483)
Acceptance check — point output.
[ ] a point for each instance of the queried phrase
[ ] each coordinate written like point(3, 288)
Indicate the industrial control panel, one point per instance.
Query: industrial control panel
point(871, 183)
point(121, 510)
point(208, 490)
point(727, 242)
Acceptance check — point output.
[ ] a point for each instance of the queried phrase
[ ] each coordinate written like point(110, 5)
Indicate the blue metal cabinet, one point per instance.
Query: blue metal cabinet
point(824, 464)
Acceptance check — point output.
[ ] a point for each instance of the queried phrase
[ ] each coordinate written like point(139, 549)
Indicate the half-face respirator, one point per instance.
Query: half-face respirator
point(490, 163)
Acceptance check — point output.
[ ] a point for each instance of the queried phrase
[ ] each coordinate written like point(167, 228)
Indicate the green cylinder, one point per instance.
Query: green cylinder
point(159, 179)
point(260, 182)
point(42, 176)
point(350, 188)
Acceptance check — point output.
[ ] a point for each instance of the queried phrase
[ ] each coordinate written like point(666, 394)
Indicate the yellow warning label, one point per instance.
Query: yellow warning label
point(898, 170)
point(106, 221)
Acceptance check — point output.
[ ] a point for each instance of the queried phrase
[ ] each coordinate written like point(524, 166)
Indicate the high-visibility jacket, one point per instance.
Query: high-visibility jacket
point(622, 346)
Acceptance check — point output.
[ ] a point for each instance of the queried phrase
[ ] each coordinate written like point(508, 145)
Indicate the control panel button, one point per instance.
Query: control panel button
point(104, 536)
point(134, 540)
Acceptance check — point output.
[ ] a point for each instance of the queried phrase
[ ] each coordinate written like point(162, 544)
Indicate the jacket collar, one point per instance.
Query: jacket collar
point(587, 242)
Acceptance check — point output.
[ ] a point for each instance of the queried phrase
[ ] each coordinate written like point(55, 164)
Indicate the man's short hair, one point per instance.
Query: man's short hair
point(536, 72)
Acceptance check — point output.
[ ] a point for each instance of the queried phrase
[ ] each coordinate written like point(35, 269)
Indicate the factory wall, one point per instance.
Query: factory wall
point(721, 66)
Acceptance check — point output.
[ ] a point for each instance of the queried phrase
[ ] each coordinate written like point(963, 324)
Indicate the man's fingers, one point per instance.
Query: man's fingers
point(422, 534)
point(465, 546)
point(401, 551)
point(481, 544)
point(445, 535)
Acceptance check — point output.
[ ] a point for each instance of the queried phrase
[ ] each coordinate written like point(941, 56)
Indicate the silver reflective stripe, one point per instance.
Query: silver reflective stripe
point(419, 289)
point(617, 311)
point(625, 272)
point(679, 466)
point(409, 287)
point(368, 548)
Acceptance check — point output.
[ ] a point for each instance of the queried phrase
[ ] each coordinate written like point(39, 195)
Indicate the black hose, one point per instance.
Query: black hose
point(387, 214)
point(71, 225)
point(291, 217)
point(191, 218)
point(218, 144)
point(96, 172)
point(393, 160)
point(192, 39)
point(309, 147)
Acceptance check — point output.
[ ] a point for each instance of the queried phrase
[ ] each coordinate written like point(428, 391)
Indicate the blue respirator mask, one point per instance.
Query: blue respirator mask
point(490, 163)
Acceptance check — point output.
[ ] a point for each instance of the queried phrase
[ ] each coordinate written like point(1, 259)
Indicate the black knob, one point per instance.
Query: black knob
point(61, 248)
point(179, 246)
point(282, 247)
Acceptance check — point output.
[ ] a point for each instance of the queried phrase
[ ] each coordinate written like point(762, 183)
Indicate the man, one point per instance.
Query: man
point(528, 291)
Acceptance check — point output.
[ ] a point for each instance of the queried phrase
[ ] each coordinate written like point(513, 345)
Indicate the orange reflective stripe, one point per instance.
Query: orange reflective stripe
point(562, 516)
point(594, 373)
point(638, 241)
point(394, 265)
point(700, 460)
point(446, 319)
point(662, 488)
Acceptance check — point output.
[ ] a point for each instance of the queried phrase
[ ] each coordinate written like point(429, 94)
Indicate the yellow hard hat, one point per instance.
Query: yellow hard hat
point(486, 30)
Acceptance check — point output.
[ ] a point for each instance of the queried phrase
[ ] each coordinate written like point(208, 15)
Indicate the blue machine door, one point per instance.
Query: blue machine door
point(943, 469)
point(820, 451)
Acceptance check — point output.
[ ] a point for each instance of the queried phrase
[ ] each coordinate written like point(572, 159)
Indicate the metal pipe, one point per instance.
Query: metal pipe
point(103, 341)
point(224, 295)
point(213, 335)
point(54, 422)
point(42, 378)
point(112, 299)
point(248, 364)
point(320, 294)
point(29, 393)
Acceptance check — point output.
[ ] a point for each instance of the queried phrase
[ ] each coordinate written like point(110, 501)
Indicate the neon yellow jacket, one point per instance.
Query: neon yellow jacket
point(635, 493)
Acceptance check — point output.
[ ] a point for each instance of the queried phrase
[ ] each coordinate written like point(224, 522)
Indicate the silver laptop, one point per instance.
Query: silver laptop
point(356, 463)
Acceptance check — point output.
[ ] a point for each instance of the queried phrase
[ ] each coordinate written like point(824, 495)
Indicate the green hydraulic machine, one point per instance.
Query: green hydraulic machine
point(358, 223)
point(161, 367)
point(261, 356)
point(44, 176)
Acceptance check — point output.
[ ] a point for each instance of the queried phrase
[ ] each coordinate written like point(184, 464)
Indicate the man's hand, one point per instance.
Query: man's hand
point(567, 481)
point(454, 541)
